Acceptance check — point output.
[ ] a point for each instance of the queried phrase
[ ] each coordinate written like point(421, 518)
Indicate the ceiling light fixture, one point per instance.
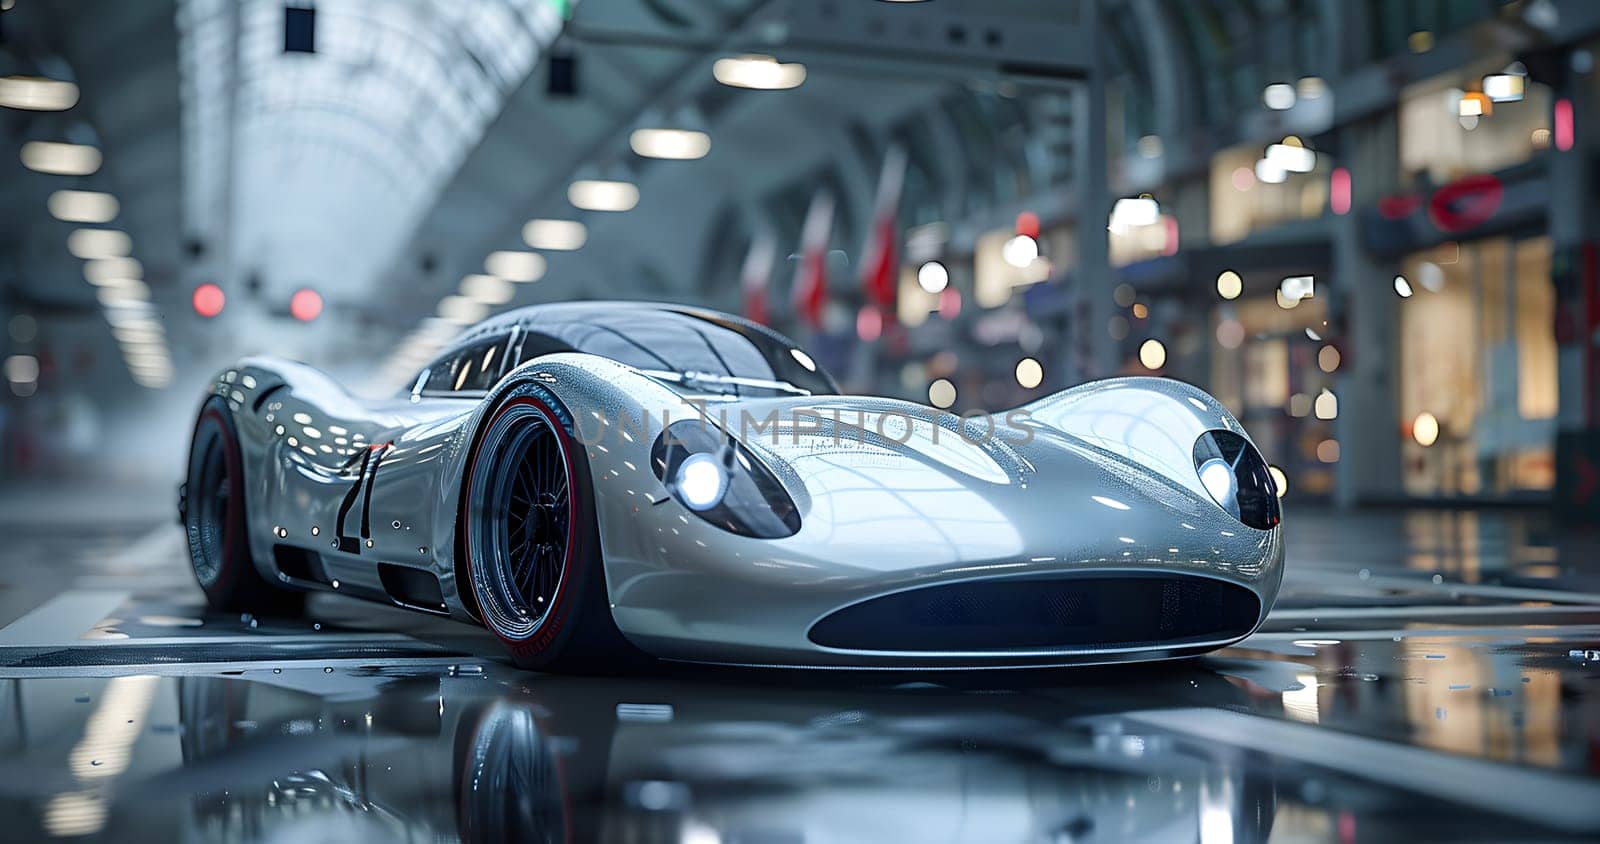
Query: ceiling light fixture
point(1279, 96)
point(1132, 212)
point(82, 206)
point(58, 159)
point(515, 266)
point(35, 93)
point(459, 310)
point(1269, 172)
point(602, 195)
point(488, 289)
point(123, 291)
point(1505, 87)
point(1293, 158)
point(673, 144)
point(107, 270)
point(555, 235)
point(762, 73)
point(93, 244)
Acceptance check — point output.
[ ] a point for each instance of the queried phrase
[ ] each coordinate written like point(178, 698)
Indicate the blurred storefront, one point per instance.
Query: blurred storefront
point(1477, 372)
point(1271, 366)
point(1477, 369)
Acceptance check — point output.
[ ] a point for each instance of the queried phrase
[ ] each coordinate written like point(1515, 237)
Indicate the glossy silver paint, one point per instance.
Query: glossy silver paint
point(1098, 478)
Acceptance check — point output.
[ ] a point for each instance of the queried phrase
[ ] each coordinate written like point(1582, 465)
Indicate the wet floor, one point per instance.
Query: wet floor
point(1426, 676)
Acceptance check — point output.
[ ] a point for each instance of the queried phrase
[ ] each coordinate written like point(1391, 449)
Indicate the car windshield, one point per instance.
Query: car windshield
point(698, 353)
point(691, 352)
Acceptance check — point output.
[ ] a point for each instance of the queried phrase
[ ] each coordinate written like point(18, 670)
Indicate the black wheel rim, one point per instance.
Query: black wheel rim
point(513, 789)
point(521, 533)
point(208, 512)
point(536, 520)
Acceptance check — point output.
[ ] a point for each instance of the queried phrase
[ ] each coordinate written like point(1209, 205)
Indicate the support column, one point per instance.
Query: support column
point(1368, 426)
point(1575, 270)
point(1096, 354)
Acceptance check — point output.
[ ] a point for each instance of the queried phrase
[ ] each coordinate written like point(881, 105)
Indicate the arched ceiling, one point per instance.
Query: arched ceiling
point(422, 135)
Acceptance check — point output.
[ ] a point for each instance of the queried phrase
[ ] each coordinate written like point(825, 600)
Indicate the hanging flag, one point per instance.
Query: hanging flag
point(880, 259)
point(755, 276)
point(810, 287)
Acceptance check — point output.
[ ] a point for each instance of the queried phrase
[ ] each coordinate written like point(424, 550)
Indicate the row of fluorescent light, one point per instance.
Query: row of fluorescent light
point(117, 277)
point(480, 292)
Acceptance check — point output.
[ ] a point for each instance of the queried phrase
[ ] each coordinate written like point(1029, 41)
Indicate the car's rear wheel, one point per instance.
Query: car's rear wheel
point(531, 543)
point(215, 521)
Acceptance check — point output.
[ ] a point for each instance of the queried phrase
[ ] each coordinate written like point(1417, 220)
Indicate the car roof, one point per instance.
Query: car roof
point(567, 321)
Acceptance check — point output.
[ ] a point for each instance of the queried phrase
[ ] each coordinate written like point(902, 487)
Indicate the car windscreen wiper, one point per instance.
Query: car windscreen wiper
point(696, 379)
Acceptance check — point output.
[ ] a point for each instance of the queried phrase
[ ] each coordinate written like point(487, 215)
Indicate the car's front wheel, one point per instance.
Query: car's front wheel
point(529, 536)
point(214, 520)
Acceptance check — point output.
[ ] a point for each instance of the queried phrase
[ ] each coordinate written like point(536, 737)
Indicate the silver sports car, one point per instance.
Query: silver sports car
point(601, 482)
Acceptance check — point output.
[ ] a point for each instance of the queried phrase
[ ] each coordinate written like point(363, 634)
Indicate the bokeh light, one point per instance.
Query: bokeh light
point(1229, 284)
point(1152, 354)
point(933, 277)
point(305, 305)
point(1425, 429)
point(1029, 373)
point(208, 300)
point(1280, 481)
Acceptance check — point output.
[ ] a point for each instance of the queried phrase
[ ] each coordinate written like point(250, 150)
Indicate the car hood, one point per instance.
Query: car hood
point(992, 490)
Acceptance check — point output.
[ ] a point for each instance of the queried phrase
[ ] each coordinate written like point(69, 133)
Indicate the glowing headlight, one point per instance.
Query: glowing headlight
point(718, 479)
point(1217, 477)
point(1237, 479)
point(701, 481)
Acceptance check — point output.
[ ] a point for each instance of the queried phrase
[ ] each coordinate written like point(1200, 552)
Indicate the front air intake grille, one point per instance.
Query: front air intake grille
point(1064, 613)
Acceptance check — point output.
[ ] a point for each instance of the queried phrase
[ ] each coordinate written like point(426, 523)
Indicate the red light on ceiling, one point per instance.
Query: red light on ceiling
point(1339, 191)
point(208, 300)
point(1028, 224)
point(305, 305)
point(1563, 124)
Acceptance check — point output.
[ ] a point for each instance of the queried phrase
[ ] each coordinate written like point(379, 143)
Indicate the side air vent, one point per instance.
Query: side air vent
point(412, 588)
point(1063, 613)
point(299, 563)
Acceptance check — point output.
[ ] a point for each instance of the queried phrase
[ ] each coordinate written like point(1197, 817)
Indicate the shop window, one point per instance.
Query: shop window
point(1478, 368)
point(1141, 243)
point(1242, 202)
point(1438, 145)
point(999, 270)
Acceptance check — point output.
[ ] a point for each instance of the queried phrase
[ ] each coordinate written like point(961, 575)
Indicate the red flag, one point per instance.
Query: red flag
point(811, 277)
point(756, 276)
point(879, 259)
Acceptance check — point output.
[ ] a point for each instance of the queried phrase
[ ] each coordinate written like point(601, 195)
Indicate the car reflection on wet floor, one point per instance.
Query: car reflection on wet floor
point(1377, 704)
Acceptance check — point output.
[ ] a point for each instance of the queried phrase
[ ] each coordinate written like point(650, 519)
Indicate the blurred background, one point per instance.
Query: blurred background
point(1368, 227)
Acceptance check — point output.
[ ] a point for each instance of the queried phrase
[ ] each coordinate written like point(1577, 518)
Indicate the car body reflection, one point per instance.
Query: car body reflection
point(496, 757)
